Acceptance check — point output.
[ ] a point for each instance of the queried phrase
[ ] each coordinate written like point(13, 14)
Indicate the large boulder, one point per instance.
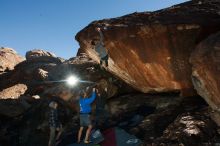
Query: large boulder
point(191, 129)
point(206, 69)
point(9, 59)
point(150, 51)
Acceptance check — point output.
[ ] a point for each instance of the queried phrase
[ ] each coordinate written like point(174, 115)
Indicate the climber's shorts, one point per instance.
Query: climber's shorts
point(105, 59)
point(85, 120)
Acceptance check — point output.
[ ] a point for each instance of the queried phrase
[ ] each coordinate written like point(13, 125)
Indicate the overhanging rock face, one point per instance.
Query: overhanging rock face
point(150, 51)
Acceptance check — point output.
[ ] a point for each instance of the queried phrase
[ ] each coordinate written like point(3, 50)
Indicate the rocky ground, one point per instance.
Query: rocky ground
point(162, 81)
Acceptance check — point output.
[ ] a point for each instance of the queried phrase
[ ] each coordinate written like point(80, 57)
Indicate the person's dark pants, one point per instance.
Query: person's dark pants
point(104, 59)
point(101, 117)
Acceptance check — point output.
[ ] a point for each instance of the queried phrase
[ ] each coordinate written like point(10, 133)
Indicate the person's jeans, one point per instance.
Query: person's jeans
point(52, 139)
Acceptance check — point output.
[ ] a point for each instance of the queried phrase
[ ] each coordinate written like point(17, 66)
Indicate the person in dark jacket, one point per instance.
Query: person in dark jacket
point(100, 48)
point(54, 124)
point(101, 114)
point(85, 112)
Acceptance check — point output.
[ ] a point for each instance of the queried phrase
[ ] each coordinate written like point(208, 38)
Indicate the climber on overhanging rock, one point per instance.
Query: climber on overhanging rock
point(85, 112)
point(100, 48)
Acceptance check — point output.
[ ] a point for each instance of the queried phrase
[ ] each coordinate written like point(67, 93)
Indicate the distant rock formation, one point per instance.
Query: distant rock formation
point(9, 59)
point(41, 55)
point(150, 51)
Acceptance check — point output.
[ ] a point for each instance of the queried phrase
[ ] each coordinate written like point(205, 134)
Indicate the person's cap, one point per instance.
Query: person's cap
point(52, 103)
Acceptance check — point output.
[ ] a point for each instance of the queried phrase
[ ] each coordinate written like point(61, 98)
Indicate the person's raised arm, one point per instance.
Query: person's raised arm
point(100, 34)
point(92, 97)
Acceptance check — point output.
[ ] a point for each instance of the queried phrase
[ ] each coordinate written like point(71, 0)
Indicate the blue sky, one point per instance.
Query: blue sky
point(52, 24)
